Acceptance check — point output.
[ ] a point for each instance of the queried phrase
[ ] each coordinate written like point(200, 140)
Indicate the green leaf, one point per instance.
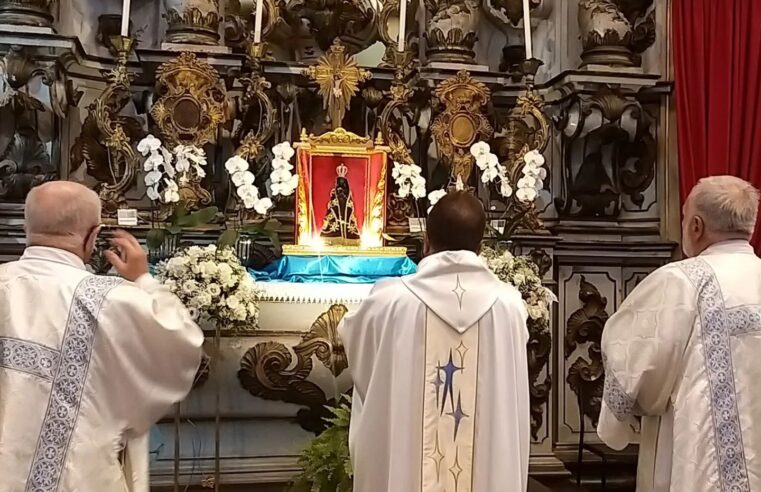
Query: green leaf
point(155, 238)
point(201, 217)
point(180, 210)
point(174, 229)
point(228, 238)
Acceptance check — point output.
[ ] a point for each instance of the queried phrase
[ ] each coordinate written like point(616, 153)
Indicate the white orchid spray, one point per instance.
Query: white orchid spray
point(409, 180)
point(160, 172)
point(283, 182)
point(491, 169)
point(245, 189)
point(533, 178)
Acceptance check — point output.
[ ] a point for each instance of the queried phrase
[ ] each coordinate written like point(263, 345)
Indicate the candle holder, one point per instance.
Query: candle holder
point(123, 160)
point(529, 68)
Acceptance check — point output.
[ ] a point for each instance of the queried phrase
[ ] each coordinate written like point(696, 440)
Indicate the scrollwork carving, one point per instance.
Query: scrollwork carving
point(353, 22)
point(451, 34)
point(585, 326)
point(611, 153)
point(539, 349)
point(272, 371)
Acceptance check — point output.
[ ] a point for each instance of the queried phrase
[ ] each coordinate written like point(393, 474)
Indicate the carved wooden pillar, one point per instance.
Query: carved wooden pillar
point(192, 21)
point(26, 12)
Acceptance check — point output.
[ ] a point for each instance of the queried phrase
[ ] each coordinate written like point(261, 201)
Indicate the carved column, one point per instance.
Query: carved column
point(192, 21)
point(26, 12)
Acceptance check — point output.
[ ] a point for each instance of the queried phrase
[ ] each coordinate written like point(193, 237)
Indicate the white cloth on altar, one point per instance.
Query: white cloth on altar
point(683, 352)
point(393, 342)
point(87, 363)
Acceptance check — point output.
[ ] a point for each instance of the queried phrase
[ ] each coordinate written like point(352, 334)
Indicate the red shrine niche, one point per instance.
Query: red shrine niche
point(341, 198)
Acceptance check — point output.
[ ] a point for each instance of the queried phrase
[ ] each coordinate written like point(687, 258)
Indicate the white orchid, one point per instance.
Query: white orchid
point(504, 188)
point(526, 195)
point(534, 157)
point(248, 192)
point(286, 186)
point(283, 151)
point(236, 164)
point(242, 178)
point(479, 149)
point(434, 197)
point(279, 163)
point(489, 174)
point(153, 193)
point(152, 178)
point(487, 161)
point(171, 191)
point(263, 205)
point(148, 144)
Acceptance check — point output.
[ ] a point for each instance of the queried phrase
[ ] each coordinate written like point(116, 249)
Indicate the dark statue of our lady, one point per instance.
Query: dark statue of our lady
point(340, 224)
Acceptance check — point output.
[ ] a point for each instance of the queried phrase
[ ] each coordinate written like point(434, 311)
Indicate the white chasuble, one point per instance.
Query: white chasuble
point(87, 363)
point(441, 390)
point(681, 359)
point(449, 408)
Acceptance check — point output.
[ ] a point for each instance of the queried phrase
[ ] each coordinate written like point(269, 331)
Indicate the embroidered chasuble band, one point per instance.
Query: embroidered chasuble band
point(449, 407)
point(67, 371)
point(717, 326)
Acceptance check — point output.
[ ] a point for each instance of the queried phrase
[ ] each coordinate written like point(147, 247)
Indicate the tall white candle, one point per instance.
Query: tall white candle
point(125, 18)
point(258, 21)
point(527, 29)
point(402, 24)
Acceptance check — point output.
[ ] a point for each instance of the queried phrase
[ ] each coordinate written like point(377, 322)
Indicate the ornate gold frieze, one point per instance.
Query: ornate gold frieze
point(272, 371)
point(461, 124)
point(338, 78)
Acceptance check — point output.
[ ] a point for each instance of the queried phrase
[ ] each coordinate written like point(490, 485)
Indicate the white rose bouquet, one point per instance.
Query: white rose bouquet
point(214, 286)
point(523, 274)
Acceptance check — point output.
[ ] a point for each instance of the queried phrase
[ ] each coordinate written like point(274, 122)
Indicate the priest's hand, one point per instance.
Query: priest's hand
point(131, 261)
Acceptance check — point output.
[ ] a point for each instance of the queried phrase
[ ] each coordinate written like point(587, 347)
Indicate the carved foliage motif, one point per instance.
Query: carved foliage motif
point(461, 123)
point(192, 21)
point(611, 152)
point(585, 325)
point(615, 32)
point(272, 371)
point(350, 21)
point(451, 34)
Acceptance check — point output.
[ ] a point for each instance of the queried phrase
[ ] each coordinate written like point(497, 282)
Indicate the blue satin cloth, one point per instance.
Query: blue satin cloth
point(335, 269)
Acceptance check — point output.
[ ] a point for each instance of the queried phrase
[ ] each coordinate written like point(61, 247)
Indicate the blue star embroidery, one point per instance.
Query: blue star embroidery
point(449, 371)
point(457, 414)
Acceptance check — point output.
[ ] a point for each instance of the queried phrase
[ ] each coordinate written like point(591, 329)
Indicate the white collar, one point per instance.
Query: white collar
point(732, 247)
point(55, 255)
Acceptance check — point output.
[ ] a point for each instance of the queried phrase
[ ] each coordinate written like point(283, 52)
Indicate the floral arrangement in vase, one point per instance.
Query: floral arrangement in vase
point(214, 286)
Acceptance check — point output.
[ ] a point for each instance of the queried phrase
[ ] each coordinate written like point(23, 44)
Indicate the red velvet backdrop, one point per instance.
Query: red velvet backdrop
point(717, 64)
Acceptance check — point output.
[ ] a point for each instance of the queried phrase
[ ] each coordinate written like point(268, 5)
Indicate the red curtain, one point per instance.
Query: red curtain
point(717, 65)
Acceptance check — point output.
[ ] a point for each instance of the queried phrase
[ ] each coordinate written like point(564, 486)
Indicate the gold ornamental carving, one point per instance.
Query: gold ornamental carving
point(272, 371)
point(192, 101)
point(338, 77)
point(461, 124)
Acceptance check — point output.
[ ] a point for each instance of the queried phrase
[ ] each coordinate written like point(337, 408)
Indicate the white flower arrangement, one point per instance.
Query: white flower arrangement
point(533, 178)
point(214, 286)
point(160, 173)
point(282, 180)
point(189, 157)
point(243, 180)
point(522, 273)
point(491, 169)
point(409, 180)
point(434, 197)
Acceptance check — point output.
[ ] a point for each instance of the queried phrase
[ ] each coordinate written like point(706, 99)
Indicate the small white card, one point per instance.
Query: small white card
point(417, 224)
point(126, 217)
point(499, 225)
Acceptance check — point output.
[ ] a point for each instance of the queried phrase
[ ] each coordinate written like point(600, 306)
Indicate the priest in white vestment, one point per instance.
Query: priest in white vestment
point(87, 363)
point(683, 354)
point(439, 363)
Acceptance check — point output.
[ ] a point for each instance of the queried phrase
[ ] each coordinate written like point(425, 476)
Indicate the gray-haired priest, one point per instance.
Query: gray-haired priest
point(86, 362)
point(684, 354)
